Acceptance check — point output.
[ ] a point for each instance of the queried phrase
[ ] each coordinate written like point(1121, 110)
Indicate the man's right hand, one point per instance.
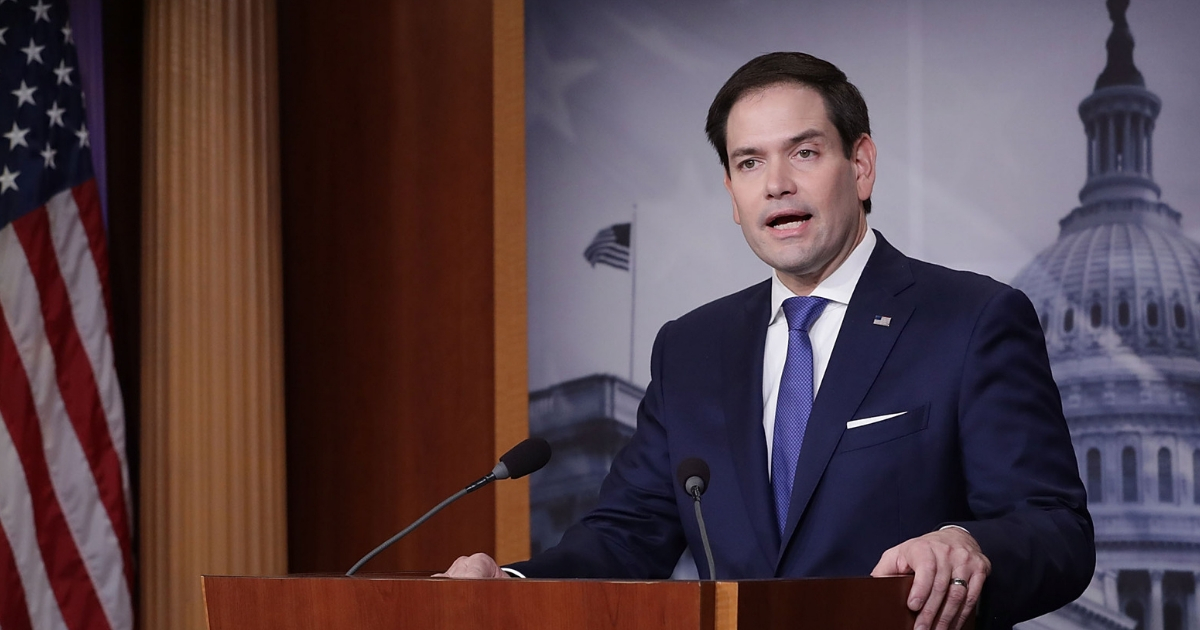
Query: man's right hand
point(479, 565)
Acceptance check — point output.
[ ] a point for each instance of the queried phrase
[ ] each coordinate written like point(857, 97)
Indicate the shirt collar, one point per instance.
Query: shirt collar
point(838, 287)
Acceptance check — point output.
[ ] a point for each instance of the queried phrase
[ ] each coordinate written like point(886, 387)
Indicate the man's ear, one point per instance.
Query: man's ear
point(737, 217)
point(863, 158)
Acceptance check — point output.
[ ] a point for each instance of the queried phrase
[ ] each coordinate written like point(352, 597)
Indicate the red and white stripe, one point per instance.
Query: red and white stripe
point(65, 552)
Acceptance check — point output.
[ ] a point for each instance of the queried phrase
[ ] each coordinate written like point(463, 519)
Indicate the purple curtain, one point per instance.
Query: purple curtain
point(86, 28)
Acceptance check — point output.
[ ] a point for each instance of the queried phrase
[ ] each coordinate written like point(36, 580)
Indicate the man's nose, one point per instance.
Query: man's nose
point(780, 182)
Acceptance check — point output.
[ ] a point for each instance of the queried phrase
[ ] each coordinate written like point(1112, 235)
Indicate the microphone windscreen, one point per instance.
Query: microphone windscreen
point(692, 467)
point(526, 457)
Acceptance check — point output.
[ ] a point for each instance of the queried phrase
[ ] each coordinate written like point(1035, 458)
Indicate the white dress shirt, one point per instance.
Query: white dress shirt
point(837, 288)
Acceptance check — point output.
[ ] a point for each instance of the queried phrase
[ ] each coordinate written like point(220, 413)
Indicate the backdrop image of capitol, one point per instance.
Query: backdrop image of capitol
point(1118, 297)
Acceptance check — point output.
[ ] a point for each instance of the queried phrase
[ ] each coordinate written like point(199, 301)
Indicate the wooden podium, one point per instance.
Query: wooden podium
point(378, 602)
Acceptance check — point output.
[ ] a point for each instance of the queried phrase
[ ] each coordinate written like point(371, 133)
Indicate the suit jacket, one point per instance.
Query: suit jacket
point(981, 442)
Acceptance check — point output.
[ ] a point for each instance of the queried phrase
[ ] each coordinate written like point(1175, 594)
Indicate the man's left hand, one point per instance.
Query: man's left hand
point(941, 562)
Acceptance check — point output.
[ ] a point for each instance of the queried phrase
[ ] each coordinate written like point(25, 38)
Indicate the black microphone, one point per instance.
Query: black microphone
point(693, 476)
point(524, 458)
point(527, 457)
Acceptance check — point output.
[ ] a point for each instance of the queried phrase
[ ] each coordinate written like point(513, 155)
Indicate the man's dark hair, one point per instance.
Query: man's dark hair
point(843, 103)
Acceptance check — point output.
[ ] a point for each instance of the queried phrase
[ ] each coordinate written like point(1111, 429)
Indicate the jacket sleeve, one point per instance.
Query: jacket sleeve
point(1022, 479)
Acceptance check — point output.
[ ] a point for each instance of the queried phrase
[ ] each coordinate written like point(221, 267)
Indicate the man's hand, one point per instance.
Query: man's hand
point(942, 561)
point(479, 565)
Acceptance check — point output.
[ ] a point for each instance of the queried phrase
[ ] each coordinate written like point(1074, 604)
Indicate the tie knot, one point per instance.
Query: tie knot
point(802, 311)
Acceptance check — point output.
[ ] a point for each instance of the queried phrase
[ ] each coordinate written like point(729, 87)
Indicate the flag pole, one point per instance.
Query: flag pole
point(633, 287)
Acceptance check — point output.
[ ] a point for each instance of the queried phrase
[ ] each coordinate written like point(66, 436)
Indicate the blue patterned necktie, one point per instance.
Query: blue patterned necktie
point(795, 400)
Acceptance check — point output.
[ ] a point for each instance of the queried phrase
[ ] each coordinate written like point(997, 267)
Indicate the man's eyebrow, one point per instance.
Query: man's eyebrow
point(742, 151)
point(804, 136)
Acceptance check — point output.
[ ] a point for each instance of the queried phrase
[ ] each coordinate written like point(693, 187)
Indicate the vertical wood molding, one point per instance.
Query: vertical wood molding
point(401, 313)
point(509, 277)
point(213, 483)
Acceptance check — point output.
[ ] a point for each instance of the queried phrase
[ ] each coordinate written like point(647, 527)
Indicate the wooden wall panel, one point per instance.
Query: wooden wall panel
point(390, 208)
point(512, 345)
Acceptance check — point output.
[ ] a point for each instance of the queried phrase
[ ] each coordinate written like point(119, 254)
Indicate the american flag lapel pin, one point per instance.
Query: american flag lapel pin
point(881, 320)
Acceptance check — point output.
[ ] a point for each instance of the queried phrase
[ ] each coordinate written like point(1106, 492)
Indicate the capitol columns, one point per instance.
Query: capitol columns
point(1195, 607)
point(1156, 599)
point(1108, 578)
point(212, 446)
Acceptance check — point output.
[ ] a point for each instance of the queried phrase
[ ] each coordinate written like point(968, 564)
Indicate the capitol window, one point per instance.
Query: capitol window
point(1096, 316)
point(1123, 313)
point(1196, 476)
point(1069, 320)
point(1129, 492)
point(1095, 488)
point(1134, 609)
point(1152, 315)
point(1166, 481)
point(1172, 616)
point(1180, 316)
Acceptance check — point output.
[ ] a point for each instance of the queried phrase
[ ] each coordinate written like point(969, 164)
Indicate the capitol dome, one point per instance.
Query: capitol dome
point(1118, 296)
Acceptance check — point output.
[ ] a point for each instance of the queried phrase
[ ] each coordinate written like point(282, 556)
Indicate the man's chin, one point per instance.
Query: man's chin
point(792, 263)
point(801, 273)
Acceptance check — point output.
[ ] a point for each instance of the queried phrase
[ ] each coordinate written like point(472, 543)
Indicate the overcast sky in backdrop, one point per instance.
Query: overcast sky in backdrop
point(973, 108)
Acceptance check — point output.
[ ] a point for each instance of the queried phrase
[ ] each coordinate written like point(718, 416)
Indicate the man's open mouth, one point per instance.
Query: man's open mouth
point(789, 221)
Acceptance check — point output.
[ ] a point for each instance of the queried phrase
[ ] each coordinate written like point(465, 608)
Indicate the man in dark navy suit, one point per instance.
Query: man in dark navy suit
point(862, 412)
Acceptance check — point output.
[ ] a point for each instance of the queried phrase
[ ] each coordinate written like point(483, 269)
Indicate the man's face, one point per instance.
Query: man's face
point(795, 194)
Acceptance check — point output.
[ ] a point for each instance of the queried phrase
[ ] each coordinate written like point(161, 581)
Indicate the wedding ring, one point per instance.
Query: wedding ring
point(958, 582)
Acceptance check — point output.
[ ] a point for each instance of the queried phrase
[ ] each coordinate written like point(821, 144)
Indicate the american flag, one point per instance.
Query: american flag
point(65, 555)
point(610, 247)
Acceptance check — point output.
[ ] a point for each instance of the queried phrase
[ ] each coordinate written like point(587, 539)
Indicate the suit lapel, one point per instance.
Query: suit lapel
point(858, 355)
point(742, 366)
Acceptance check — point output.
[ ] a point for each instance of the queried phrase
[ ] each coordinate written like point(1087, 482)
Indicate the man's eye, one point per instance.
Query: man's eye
point(748, 164)
point(805, 153)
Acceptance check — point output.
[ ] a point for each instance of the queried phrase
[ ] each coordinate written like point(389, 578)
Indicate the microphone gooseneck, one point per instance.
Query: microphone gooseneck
point(526, 457)
point(693, 475)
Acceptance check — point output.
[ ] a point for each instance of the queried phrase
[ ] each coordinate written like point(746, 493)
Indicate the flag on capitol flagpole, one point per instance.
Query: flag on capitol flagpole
point(610, 247)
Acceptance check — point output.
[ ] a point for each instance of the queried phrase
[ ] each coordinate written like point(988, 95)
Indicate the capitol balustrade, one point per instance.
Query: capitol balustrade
point(1121, 525)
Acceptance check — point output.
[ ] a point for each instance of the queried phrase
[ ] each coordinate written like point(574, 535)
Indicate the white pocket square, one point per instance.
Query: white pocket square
point(854, 424)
